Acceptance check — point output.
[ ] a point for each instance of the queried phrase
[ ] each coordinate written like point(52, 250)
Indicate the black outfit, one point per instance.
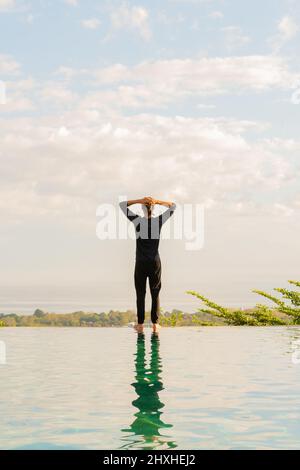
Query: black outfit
point(148, 429)
point(147, 264)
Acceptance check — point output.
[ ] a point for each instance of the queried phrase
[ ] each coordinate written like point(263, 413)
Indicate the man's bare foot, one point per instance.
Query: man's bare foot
point(155, 328)
point(139, 328)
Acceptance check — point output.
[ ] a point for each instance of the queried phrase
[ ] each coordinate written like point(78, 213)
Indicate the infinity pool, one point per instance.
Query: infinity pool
point(193, 388)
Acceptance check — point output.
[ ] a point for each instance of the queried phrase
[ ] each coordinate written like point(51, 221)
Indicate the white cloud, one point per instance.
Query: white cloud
point(29, 94)
point(18, 96)
point(8, 66)
point(216, 15)
point(6, 5)
point(54, 164)
point(158, 83)
point(63, 132)
point(68, 158)
point(283, 210)
point(155, 84)
point(91, 23)
point(235, 38)
point(73, 3)
point(30, 18)
point(287, 30)
point(288, 27)
point(205, 106)
point(131, 17)
point(170, 19)
point(191, 1)
point(17, 103)
point(69, 73)
point(56, 93)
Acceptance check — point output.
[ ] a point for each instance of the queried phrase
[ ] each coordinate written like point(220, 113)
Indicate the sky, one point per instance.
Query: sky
point(195, 101)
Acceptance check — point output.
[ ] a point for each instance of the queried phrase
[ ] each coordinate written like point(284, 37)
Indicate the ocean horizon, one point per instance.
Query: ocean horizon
point(102, 298)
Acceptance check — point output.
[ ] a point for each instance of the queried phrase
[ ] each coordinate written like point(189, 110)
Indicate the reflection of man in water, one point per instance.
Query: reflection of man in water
point(148, 384)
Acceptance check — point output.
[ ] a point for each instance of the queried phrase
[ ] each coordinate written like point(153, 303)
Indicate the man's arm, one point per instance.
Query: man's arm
point(137, 201)
point(164, 203)
point(168, 213)
point(125, 204)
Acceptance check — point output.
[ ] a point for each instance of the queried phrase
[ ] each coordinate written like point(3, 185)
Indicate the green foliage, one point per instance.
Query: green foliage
point(260, 316)
point(198, 320)
point(173, 319)
point(76, 319)
point(289, 304)
point(178, 318)
point(99, 320)
point(236, 317)
point(39, 313)
point(265, 316)
point(8, 320)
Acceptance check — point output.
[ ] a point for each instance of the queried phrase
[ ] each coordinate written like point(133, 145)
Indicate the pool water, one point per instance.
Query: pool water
point(191, 388)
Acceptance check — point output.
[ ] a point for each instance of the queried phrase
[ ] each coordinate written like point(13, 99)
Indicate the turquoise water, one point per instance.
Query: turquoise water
point(194, 388)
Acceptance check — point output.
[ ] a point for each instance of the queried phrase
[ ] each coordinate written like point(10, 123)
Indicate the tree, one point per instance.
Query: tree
point(260, 316)
point(10, 321)
point(291, 308)
point(39, 313)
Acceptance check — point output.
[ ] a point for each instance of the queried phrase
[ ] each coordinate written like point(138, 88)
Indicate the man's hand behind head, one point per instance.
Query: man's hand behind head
point(149, 201)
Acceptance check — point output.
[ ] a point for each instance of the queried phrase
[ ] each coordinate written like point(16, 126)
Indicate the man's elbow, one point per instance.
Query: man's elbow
point(123, 206)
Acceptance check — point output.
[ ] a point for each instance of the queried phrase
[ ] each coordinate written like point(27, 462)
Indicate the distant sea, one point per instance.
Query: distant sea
point(102, 298)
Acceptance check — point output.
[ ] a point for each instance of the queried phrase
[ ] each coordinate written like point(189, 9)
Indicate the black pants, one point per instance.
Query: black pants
point(147, 269)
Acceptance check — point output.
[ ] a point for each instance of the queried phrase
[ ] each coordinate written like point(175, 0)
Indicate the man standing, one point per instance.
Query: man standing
point(148, 263)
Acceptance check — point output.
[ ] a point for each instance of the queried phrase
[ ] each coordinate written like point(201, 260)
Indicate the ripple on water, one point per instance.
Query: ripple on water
point(226, 388)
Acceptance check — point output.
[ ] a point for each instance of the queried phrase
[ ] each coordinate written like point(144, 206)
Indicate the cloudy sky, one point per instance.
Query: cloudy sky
point(190, 100)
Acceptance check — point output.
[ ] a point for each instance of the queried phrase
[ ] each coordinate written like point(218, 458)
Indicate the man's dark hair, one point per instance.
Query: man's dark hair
point(149, 209)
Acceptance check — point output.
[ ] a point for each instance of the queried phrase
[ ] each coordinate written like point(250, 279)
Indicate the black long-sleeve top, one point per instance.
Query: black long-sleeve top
point(147, 231)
